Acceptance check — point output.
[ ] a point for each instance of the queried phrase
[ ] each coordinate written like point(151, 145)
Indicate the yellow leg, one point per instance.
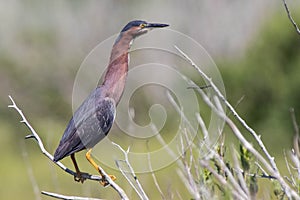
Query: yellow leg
point(91, 160)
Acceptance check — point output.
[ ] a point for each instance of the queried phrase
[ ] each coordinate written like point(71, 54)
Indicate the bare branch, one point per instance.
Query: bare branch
point(296, 161)
point(288, 191)
point(154, 177)
point(236, 115)
point(264, 173)
point(220, 178)
point(187, 163)
point(133, 180)
point(272, 167)
point(234, 183)
point(30, 173)
point(237, 104)
point(239, 173)
point(113, 184)
point(296, 130)
point(290, 17)
point(35, 136)
point(60, 196)
point(292, 181)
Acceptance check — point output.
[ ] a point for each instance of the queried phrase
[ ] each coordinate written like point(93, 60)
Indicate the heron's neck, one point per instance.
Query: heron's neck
point(116, 74)
point(121, 46)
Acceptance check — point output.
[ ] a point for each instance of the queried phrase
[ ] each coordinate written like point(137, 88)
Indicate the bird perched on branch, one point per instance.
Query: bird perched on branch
point(92, 121)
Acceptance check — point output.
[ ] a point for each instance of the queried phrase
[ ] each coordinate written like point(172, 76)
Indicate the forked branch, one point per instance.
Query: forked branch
point(128, 172)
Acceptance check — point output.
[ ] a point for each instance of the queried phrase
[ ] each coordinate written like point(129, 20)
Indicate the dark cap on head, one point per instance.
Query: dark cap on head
point(142, 24)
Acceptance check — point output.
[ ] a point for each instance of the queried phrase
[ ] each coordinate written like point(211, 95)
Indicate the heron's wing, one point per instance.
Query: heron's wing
point(90, 123)
point(97, 126)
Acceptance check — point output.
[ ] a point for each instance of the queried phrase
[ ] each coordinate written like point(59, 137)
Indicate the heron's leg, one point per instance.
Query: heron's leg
point(91, 160)
point(78, 177)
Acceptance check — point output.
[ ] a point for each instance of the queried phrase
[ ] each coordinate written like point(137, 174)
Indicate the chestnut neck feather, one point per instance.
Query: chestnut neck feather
point(115, 77)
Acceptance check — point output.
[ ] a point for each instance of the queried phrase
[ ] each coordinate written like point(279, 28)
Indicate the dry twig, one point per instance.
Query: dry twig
point(271, 165)
point(133, 180)
point(288, 191)
point(60, 196)
point(154, 177)
point(239, 173)
point(290, 17)
point(220, 178)
point(35, 136)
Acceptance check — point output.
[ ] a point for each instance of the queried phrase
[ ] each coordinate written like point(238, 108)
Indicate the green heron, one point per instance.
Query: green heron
point(92, 121)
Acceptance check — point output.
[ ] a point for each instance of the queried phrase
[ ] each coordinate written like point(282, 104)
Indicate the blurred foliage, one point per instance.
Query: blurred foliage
point(245, 158)
point(268, 79)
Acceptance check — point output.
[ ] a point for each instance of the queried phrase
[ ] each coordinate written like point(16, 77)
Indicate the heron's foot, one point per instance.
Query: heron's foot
point(79, 177)
point(104, 182)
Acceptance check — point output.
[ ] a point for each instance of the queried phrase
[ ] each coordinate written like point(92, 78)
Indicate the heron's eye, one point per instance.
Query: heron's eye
point(142, 25)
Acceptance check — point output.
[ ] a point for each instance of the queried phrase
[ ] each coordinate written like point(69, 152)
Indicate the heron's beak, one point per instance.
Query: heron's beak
point(155, 25)
point(149, 27)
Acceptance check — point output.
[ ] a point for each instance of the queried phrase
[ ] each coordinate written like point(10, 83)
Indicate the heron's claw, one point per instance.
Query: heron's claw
point(104, 182)
point(79, 178)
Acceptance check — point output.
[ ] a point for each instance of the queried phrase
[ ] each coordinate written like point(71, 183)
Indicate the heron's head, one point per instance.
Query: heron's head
point(138, 27)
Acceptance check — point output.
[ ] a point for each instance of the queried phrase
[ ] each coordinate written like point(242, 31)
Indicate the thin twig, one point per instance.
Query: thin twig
point(234, 183)
point(185, 181)
point(295, 124)
point(237, 104)
point(60, 196)
point(203, 128)
point(220, 178)
point(113, 184)
point(136, 186)
point(290, 17)
point(293, 182)
point(295, 154)
point(154, 177)
point(221, 96)
point(272, 167)
point(264, 173)
point(30, 171)
point(217, 109)
point(240, 178)
point(295, 160)
point(230, 177)
point(35, 136)
point(296, 134)
point(187, 163)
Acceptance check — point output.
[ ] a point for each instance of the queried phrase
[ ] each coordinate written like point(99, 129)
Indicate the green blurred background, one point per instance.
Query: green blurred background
point(43, 44)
